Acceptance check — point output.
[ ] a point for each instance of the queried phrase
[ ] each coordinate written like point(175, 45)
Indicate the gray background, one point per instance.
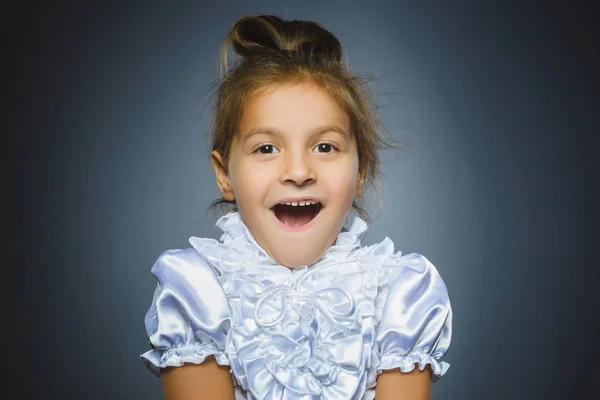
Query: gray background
point(497, 185)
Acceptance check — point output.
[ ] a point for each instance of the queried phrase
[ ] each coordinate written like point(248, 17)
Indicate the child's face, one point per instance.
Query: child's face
point(293, 145)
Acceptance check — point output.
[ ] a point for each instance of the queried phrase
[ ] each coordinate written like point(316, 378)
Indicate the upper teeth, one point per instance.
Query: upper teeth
point(300, 203)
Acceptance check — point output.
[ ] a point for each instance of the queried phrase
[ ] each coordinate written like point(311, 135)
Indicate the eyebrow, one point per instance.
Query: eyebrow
point(276, 132)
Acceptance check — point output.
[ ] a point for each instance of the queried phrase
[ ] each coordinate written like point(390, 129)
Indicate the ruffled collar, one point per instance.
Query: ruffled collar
point(236, 234)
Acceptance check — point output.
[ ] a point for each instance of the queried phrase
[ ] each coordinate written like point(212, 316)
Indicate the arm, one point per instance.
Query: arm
point(206, 381)
point(396, 385)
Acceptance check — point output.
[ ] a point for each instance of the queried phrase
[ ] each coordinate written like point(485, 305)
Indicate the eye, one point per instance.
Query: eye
point(324, 148)
point(267, 149)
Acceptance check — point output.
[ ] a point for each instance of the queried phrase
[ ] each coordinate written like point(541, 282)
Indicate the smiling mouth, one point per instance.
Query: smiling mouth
point(297, 215)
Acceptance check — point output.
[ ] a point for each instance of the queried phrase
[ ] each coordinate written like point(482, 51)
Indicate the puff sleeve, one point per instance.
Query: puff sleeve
point(416, 320)
point(189, 316)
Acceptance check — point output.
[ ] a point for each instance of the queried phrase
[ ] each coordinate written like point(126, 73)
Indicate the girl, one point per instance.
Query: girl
point(288, 304)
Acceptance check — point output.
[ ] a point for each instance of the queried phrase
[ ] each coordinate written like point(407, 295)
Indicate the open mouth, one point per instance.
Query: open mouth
point(297, 214)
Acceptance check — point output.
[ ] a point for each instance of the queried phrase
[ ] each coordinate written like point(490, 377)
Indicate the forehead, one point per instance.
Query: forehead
point(292, 107)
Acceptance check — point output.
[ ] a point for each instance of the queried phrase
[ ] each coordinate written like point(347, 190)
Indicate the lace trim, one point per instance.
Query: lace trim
point(194, 353)
point(409, 362)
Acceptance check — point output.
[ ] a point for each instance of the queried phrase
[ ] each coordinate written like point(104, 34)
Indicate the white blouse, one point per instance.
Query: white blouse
point(324, 331)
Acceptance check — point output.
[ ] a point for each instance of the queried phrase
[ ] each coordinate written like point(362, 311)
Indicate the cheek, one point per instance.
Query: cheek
point(249, 180)
point(342, 184)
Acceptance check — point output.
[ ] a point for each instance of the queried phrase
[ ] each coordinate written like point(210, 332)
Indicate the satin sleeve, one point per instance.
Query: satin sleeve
point(415, 328)
point(189, 317)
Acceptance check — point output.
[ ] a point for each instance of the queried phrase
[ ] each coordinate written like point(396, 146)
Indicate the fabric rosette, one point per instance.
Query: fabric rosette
point(290, 343)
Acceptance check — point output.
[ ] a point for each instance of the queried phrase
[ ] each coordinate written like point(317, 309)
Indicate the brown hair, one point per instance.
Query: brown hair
point(275, 51)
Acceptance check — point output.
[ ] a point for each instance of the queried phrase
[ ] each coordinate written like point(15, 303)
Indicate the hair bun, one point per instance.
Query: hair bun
point(256, 35)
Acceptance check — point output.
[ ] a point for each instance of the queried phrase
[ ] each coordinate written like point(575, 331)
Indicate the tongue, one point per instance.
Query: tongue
point(295, 216)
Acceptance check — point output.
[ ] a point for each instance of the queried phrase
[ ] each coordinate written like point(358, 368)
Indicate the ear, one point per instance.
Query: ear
point(360, 183)
point(222, 175)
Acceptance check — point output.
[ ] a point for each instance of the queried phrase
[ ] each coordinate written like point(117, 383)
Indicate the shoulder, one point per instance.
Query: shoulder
point(183, 266)
point(187, 286)
point(413, 283)
point(398, 271)
point(416, 268)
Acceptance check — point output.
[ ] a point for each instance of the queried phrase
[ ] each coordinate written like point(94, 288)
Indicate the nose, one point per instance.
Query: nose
point(297, 169)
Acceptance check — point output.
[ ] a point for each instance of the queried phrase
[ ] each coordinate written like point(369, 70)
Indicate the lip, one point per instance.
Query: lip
point(296, 228)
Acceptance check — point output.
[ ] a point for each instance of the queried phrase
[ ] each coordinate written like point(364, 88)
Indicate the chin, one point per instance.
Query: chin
point(296, 264)
point(295, 258)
